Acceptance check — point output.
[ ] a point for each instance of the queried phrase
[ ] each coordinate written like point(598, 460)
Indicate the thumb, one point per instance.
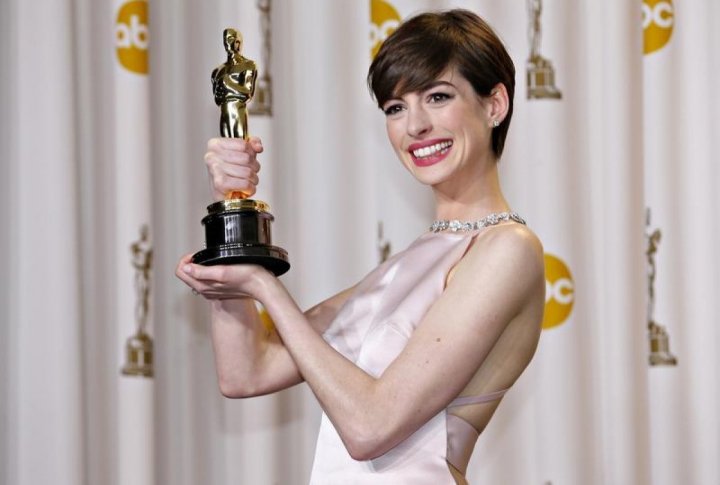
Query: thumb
point(256, 144)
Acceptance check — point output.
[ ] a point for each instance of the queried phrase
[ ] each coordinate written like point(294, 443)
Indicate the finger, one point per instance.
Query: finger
point(216, 165)
point(225, 177)
point(187, 259)
point(222, 143)
point(223, 296)
point(238, 171)
point(207, 275)
point(229, 146)
point(223, 184)
point(227, 157)
point(253, 143)
point(197, 287)
point(186, 277)
point(221, 276)
point(256, 143)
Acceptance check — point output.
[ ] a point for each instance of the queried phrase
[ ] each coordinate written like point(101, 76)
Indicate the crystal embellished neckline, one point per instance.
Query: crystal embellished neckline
point(466, 226)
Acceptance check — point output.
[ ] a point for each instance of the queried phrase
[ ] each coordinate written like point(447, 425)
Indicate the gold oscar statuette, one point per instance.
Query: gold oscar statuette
point(237, 229)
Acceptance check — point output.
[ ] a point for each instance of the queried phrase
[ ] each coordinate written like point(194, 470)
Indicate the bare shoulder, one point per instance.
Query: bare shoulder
point(499, 285)
point(505, 259)
point(511, 245)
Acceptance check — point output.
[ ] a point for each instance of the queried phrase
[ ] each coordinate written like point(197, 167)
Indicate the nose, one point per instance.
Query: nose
point(418, 122)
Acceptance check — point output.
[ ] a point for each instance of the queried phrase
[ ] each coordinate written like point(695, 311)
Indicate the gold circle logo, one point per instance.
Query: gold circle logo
point(385, 19)
point(658, 20)
point(559, 292)
point(131, 36)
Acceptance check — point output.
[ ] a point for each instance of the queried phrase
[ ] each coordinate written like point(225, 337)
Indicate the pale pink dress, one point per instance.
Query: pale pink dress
point(371, 329)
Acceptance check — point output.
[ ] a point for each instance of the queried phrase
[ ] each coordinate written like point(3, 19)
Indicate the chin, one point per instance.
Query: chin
point(428, 179)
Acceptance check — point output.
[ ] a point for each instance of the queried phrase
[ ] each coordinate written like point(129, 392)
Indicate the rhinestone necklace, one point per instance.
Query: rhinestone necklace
point(465, 226)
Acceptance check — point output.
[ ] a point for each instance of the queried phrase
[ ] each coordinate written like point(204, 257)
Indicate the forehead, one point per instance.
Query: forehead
point(450, 76)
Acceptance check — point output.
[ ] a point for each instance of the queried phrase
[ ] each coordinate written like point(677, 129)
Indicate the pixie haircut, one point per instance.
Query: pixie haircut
point(427, 45)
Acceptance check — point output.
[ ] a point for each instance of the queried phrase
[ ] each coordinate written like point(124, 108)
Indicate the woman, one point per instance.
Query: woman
point(410, 364)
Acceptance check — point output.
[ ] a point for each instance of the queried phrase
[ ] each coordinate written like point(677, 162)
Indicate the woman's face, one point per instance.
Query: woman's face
point(443, 132)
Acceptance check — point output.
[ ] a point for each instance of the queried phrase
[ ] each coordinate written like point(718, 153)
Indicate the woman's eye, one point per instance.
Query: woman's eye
point(438, 97)
point(392, 109)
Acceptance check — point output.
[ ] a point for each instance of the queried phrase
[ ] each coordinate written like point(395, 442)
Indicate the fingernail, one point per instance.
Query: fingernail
point(187, 268)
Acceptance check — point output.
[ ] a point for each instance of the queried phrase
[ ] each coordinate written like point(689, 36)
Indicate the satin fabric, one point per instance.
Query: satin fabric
point(371, 330)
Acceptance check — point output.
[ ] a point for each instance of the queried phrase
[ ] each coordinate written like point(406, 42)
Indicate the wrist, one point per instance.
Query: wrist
point(277, 301)
point(264, 286)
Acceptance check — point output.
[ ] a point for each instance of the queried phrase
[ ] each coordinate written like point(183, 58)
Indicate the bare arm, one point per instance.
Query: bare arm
point(498, 284)
point(250, 357)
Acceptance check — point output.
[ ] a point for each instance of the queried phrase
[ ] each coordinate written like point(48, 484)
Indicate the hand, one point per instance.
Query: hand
point(232, 165)
point(223, 282)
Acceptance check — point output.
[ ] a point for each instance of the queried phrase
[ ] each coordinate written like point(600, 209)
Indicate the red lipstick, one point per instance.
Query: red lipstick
point(429, 152)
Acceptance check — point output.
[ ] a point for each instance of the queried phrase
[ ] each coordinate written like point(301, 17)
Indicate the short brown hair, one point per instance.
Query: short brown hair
point(425, 46)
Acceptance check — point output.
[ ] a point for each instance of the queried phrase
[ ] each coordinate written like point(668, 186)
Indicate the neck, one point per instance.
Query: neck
point(471, 196)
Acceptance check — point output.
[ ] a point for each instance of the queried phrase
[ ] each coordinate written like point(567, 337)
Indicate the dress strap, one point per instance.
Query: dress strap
point(467, 400)
point(462, 435)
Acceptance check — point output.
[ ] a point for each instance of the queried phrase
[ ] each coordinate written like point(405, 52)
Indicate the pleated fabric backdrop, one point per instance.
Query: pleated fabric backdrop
point(680, 108)
point(132, 212)
point(615, 114)
point(41, 375)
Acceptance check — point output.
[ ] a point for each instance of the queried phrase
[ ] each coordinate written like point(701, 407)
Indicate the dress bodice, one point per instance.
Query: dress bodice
point(371, 330)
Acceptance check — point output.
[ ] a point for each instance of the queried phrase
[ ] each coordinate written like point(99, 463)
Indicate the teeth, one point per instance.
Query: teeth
point(431, 150)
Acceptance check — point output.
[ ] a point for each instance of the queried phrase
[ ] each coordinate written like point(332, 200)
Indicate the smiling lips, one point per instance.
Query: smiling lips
point(429, 153)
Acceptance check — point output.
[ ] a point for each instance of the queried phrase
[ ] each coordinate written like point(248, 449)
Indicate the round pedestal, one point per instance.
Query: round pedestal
point(237, 231)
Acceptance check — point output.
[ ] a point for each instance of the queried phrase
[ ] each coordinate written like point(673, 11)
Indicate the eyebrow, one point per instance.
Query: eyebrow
point(427, 87)
point(437, 83)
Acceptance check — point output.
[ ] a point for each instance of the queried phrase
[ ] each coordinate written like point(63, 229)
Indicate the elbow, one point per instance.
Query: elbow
point(235, 388)
point(362, 450)
point(231, 390)
point(369, 442)
point(363, 454)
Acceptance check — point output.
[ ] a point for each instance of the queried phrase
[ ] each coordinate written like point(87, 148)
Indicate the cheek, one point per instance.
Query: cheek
point(394, 134)
point(457, 119)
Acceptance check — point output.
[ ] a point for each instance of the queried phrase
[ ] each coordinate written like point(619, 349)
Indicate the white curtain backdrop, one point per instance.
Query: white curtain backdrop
point(133, 202)
point(681, 107)
point(90, 151)
point(42, 368)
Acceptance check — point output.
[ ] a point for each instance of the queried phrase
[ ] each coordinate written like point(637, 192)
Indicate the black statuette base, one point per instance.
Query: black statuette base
point(240, 236)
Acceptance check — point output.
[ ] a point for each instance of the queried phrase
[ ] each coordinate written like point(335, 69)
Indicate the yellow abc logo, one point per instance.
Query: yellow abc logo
point(658, 19)
point(385, 20)
point(559, 292)
point(131, 36)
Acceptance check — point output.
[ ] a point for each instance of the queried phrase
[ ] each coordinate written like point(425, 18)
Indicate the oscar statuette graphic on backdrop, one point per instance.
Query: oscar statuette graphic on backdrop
point(657, 334)
point(139, 347)
point(540, 71)
point(237, 229)
point(262, 101)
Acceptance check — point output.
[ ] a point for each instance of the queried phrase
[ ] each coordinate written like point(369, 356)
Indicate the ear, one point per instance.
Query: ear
point(498, 103)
